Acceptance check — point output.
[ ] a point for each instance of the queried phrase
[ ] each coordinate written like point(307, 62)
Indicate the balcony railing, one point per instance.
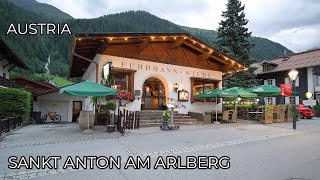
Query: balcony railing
point(8, 83)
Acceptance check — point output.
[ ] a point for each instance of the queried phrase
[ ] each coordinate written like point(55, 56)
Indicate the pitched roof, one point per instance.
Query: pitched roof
point(88, 45)
point(299, 60)
point(11, 56)
point(35, 87)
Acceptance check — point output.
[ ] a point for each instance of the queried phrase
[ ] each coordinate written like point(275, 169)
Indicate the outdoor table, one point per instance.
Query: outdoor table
point(255, 115)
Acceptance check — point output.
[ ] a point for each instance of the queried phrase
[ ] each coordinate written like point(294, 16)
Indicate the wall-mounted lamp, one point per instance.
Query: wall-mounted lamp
point(239, 98)
point(176, 87)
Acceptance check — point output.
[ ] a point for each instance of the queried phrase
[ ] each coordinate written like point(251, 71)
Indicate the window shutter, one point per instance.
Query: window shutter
point(286, 81)
point(265, 82)
point(297, 82)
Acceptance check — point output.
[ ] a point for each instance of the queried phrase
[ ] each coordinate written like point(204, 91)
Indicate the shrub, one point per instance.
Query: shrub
point(15, 101)
point(317, 109)
point(166, 116)
point(111, 106)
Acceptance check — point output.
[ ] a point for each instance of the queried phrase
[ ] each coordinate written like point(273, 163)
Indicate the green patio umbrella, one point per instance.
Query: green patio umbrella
point(88, 88)
point(216, 93)
point(241, 92)
point(265, 90)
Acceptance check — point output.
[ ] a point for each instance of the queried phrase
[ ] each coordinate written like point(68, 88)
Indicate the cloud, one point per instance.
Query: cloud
point(298, 38)
point(284, 21)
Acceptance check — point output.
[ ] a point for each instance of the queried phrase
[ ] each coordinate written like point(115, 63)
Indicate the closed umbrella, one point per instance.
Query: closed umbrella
point(88, 88)
point(216, 93)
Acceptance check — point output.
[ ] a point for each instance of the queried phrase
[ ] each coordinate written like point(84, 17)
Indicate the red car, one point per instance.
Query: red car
point(305, 111)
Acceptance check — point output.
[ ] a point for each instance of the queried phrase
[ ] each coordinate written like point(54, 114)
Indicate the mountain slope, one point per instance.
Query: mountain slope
point(34, 50)
point(263, 48)
point(42, 9)
point(30, 49)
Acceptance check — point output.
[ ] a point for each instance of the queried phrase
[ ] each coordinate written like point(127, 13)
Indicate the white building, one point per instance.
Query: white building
point(275, 72)
point(8, 61)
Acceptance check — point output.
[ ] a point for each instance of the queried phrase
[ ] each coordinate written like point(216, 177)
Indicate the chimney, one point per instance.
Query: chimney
point(285, 55)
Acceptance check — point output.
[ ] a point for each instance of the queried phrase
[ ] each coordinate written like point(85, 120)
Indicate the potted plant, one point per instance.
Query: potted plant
point(165, 119)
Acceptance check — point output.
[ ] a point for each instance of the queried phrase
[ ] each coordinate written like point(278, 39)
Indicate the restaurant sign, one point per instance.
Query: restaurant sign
point(165, 69)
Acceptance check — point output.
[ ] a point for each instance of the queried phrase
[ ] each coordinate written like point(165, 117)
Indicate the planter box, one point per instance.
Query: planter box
point(111, 128)
point(267, 121)
point(84, 117)
point(288, 119)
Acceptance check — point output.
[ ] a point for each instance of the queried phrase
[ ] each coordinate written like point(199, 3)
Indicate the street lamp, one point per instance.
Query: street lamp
point(293, 74)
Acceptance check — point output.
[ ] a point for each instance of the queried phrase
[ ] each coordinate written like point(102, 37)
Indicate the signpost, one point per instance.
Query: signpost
point(309, 102)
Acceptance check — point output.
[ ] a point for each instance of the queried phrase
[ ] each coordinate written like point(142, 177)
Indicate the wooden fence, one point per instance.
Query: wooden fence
point(10, 123)
point(127, 120)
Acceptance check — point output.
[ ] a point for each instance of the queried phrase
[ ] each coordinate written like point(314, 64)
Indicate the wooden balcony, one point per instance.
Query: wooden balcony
point(8, 83)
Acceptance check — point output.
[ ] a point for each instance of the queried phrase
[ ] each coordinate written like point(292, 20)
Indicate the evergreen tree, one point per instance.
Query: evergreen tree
point(233, 39)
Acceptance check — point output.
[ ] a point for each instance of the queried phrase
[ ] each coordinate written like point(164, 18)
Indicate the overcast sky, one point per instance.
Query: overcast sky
point(293, 23)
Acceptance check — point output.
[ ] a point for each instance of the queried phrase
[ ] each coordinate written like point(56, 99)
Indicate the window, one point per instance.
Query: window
point(317, 78)
point(4, 75)
point(199, 85)
point(122, 81)
point(288, 81)
point(269, 100)
point(288, 100)
point(265, 67)
point(270, 82)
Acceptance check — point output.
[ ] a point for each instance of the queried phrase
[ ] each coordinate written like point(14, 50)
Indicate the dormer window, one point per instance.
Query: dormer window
point(268, 66)
point(265, 67)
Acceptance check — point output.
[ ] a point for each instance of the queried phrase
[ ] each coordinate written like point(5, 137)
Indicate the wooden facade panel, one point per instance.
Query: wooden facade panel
point(171, 48)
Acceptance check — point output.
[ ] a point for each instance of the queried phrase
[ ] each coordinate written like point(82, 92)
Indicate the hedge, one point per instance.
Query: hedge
point(15, 101)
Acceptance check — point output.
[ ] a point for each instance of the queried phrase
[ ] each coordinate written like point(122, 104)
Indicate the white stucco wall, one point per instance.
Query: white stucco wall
point(4, 70)
point(167, 73)
point(60, 103)
point(310, 78)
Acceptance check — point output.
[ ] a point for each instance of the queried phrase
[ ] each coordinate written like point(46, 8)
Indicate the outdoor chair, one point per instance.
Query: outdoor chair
point(234, 117)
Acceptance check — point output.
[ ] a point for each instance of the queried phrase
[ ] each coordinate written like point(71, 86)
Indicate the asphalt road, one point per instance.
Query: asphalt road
point(256, 152)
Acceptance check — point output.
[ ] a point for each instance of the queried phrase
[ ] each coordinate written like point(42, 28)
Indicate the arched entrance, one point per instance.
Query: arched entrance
point(153, 95)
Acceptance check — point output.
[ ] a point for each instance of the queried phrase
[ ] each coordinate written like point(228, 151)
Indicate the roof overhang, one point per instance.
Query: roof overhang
point(8, 54)
point(35, 87)
point(88, 45)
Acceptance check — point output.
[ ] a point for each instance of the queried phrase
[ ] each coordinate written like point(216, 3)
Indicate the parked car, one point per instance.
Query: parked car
point(305, 111)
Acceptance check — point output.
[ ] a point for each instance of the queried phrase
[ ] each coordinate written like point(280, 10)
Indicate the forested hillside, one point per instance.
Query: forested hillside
point(42, 9)
point(34, 50)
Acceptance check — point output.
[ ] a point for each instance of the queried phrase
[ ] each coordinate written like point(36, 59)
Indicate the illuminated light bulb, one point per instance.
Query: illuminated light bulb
point(79, 39)
point(194, 42)
point(126, 39)
point(164, 38)
point(202, 46)
point(175, 37)
point(185, 37)
point(152, 37)
point(211, 50)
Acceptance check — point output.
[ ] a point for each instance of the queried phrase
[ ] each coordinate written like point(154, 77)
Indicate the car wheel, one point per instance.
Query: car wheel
point(309, 117)
point(301, 116)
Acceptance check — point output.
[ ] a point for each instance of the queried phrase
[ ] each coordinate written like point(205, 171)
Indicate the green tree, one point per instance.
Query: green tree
point(233, 39)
